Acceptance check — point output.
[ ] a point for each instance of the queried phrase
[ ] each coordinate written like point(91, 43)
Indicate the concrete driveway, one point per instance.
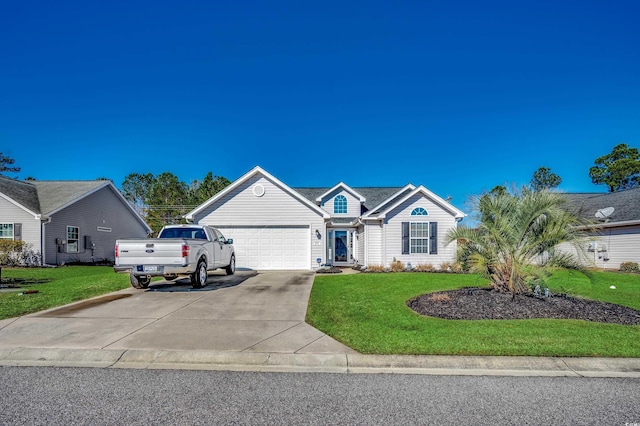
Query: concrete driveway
point(247, 312)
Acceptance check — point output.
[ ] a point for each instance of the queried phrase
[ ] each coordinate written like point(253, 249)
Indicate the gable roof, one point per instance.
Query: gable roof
point(22, 194)
point(626, 204)
point(56, 195)
point(256, 170)
point(408, 192)
point(373, 195)
point(347, 188)
point(45, 198)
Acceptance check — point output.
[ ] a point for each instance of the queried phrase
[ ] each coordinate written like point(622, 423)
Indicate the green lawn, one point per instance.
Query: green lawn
point(56, 287)
point(368, 312)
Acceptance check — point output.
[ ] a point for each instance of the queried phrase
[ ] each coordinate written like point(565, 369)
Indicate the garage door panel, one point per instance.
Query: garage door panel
point(271, 247)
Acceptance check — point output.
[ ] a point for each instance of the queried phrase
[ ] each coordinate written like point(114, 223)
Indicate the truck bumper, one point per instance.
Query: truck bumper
point(154, 270)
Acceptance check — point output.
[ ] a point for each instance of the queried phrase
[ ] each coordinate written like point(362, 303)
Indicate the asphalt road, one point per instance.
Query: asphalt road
point(65, 396)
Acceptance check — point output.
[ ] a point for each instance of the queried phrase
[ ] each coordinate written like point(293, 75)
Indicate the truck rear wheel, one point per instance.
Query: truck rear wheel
point(231, 268)
point(139, 282)
point(199, 278)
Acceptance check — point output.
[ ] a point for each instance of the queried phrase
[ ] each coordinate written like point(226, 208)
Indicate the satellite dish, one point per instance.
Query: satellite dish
point(604, 213)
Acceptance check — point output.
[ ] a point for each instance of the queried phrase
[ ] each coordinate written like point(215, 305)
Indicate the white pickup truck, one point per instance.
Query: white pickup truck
point(179, 250)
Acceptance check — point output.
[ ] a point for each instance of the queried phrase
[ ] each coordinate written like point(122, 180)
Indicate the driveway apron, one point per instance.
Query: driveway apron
point(247, 312)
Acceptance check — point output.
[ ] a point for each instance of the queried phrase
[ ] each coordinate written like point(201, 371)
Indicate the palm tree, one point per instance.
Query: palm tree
point(516, 242)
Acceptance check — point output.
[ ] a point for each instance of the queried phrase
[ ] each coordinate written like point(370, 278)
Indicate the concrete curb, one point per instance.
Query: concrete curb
point(326, 363)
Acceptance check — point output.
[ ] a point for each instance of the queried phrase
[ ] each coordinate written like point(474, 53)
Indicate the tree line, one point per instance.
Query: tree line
point(164, 199)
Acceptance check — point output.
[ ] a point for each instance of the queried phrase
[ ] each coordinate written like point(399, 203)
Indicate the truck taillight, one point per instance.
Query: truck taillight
point(185, 250)
point(117, 251)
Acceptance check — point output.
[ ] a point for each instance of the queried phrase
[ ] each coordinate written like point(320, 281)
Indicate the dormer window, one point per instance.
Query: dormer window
point(340, 204)
point(419, 211)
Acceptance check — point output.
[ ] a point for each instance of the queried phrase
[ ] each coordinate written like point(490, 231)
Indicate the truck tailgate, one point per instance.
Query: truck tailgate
point(152, 252)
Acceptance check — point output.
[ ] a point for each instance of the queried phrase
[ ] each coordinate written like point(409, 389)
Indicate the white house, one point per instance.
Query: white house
point(617, 239)
point(274, 226)
point(67, 221)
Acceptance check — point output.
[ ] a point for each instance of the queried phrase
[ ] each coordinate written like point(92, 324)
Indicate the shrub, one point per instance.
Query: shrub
point(630, 267)
point(424, 267)
point(18, 253)
point(375, 268)
point(456, 268)
point(445, 267)
point(397, 266)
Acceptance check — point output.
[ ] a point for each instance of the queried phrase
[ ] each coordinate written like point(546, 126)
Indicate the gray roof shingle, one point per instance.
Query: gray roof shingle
point(626, 204)
point(21, 192)
point(55, 194)
point(44, 197)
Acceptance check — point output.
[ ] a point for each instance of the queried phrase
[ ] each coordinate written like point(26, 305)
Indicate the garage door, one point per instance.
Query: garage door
point(270, 247)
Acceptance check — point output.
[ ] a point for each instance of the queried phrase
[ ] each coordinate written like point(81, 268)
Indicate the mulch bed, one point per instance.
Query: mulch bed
point(483, 303)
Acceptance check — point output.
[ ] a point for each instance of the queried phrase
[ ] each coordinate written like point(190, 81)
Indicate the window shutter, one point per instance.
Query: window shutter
point(405, 237)
point(433, 237)
point(17, 232)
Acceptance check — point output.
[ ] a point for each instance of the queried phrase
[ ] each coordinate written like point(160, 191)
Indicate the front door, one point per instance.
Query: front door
point(340, 246)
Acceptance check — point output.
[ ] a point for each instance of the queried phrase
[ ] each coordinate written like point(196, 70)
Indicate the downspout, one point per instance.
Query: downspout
point(43, 221)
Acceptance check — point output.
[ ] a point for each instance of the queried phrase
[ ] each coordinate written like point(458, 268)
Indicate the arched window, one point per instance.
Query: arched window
point(340, 204)
point(419, 211)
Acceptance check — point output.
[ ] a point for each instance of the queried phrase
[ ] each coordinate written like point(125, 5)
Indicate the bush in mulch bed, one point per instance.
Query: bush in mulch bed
point(328, 270)
point(486, 303)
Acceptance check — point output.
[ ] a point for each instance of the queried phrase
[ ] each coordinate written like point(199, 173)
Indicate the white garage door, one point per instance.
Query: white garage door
point(270, 247)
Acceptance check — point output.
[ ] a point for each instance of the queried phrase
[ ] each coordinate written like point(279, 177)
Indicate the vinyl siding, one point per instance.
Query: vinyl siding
point(353, 204)
point(373, 240)
point(10, 213)
point(103, 209)
point(241, 207)
point(361, 241)
point(622, 244)
point(393, 232)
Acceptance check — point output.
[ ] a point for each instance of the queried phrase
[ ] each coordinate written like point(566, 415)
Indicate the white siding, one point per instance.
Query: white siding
point(353, 203)
point(275, 208)
point(10, 213)
point(402, 213)
point(103, 209)
point(373, 240)
point(361, 241)
point(622, 245)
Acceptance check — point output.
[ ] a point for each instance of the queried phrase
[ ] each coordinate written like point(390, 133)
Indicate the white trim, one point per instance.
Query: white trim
point(256, 170)
point(346, 187)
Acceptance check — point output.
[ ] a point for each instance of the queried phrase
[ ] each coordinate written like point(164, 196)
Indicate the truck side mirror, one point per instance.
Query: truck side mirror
point(230, 241)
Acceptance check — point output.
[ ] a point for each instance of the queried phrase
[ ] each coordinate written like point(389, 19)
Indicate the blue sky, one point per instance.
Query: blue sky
point(458, 96)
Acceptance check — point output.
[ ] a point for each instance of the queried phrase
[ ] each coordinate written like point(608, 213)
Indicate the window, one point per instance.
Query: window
point(419, 211)
point(73, 233)
point(419, 237)
point(340, 204)
point(6, 231)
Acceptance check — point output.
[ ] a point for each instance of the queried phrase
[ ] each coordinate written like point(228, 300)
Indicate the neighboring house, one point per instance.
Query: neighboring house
point(274, 226)
point(618, 238)
point(67, 221)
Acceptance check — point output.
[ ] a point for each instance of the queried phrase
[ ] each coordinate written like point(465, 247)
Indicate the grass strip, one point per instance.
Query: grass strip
point(55, 287)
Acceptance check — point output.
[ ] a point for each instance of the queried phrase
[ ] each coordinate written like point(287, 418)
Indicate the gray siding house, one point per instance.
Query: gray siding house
point(617, 238)
point(274, 226)
point(67, 221)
